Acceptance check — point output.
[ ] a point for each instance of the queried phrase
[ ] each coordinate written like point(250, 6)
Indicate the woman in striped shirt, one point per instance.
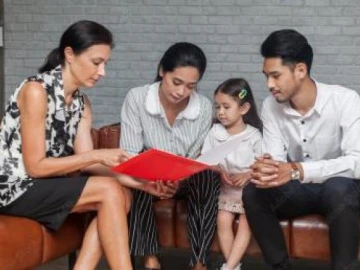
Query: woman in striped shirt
point(170, 115)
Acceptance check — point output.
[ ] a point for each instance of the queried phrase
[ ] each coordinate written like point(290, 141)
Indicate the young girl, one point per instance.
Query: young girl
point(237, 119)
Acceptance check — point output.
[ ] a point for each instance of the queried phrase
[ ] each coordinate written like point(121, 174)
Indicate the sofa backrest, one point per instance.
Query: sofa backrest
point(95, 137)
point(109, 136)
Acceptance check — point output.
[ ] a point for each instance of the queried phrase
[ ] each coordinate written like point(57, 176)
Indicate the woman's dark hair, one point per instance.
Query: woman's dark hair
point(239, 89)
point(291, 46)
point(79, 36)
point(182, 54)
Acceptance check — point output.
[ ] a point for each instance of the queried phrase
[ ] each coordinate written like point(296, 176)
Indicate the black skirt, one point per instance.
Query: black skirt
point(48, 201)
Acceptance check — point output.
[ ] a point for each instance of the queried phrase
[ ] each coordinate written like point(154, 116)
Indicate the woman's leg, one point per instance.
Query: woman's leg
point(241, 242)
point(203, 193)
point(143, 229)
point(225, 231)
point(109, 231)
point(91, 251)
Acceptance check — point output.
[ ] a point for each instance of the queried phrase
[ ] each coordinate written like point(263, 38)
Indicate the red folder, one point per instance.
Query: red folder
point(155, 165)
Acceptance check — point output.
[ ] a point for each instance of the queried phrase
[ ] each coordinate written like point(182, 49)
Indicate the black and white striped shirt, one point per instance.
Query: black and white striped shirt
point(144, 124)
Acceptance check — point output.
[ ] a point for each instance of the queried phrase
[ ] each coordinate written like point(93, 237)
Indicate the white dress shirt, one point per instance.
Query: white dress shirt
point(144, 124)
point(325, 141)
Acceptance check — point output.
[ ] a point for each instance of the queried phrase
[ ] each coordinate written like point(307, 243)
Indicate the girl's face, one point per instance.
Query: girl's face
point(177, 85)
point(228, 110)
point(89, 66)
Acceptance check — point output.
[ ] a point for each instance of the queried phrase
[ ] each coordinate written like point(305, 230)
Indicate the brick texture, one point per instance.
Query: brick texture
point(229, 31)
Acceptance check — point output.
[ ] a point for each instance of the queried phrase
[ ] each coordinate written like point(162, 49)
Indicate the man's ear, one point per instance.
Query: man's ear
point(245, 108)
point(301, 71)
point(69, 55)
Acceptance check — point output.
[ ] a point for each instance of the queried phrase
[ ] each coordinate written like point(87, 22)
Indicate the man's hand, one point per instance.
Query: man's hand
point(268, 173)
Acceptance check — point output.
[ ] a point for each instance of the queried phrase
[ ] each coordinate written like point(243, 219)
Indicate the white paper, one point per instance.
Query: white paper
point(1, 36)
point(218, 154)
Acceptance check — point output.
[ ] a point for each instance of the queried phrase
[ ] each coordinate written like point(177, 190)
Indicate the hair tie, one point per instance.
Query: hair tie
point(242, 93)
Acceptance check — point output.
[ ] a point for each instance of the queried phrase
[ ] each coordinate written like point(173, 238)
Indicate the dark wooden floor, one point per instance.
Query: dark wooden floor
point(176, 259)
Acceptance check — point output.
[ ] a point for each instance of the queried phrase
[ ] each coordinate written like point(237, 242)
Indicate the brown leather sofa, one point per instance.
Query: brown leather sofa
point(306, 237)
point(24, 244)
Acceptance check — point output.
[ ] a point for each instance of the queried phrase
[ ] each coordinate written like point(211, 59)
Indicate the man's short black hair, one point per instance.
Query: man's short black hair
point(291, 46)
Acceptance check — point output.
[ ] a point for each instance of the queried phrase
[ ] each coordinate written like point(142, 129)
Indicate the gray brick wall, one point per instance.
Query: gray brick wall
point(229, 31)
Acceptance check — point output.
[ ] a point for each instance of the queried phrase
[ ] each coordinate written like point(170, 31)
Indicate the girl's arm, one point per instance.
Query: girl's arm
point(241, 179)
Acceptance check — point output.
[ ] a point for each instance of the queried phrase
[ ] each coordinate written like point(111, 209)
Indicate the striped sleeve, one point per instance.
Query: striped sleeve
point(205, 121)
point(131, 139)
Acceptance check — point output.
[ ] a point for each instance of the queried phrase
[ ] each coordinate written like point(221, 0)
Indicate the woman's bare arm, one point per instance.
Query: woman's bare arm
point(32, 103)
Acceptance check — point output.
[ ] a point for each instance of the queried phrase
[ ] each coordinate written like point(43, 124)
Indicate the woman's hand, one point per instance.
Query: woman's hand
point(216, 168)
point(169, 189)
point(161, 189)
point(112, 157)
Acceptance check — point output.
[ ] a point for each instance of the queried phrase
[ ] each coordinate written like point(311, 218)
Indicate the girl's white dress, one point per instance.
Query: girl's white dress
point(238, 161)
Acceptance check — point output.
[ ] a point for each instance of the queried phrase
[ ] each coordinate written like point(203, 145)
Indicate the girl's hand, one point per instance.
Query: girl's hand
point(240, 179)
point(226, 177)
point(112, 157)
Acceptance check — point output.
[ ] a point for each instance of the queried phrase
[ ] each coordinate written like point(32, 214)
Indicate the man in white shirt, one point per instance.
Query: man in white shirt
point(311, 161)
